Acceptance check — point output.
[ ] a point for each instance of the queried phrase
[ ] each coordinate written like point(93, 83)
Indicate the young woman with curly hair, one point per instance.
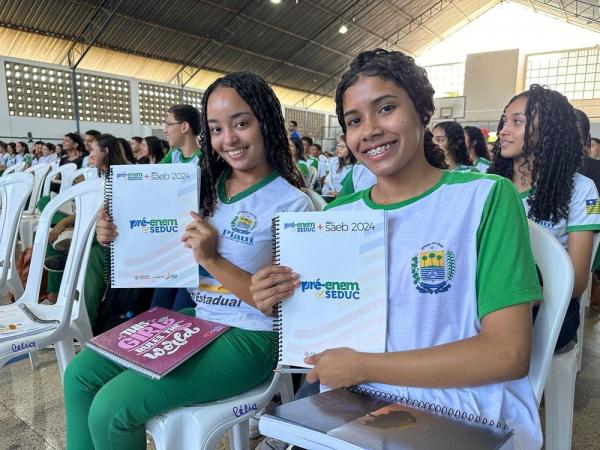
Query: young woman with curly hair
point(462, 341)
point(450, 137)
point(248, 176)
point(477, 148)
point(539, 148)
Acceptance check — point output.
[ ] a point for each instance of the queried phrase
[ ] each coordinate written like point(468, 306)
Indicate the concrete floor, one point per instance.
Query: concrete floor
point(32, 409)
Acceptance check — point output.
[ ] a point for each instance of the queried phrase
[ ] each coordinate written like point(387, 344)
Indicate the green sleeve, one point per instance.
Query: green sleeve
point(314, 163)
point(303, 168)
point(506, 273)
point(167, 158)
point(347, 185)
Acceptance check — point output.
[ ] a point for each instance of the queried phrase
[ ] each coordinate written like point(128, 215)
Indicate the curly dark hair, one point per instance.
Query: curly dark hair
point(552, 153)
point(457, 147)
point(477, 141)
point(402, 70)
point(266, 108)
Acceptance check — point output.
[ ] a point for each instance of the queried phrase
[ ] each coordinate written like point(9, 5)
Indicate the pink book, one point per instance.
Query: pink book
point(156, 341)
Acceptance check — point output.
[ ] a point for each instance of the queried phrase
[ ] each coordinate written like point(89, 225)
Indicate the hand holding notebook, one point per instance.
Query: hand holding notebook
point(341, 300)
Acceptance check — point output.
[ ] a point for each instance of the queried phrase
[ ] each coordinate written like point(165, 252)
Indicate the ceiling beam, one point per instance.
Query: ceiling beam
point(398, 10)
point(90, 32)
point(308, 100)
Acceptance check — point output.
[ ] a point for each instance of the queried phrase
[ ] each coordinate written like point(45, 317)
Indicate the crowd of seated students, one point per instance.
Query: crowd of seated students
point(386, 159)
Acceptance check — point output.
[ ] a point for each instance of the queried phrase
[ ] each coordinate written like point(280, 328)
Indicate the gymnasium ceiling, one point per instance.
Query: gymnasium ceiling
point(294, 44)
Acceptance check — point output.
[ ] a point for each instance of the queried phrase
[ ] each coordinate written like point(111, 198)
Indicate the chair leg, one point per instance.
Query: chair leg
point(559, 396)
point(34, 359)
point(286, 388)
point(65, 351)
point(239, 436)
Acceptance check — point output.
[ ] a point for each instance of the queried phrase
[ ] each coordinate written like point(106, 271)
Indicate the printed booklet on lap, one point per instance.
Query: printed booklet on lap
point(342, 299)
point(156, 341)
point(346, 420)
point(150, 204)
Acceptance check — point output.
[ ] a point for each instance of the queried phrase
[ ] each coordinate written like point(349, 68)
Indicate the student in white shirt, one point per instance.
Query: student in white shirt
point(247, 177)
point(540, 150)
point(339, 166)
point(475, 142)
point(461, 275)
point(48, 153)
point(450, 137)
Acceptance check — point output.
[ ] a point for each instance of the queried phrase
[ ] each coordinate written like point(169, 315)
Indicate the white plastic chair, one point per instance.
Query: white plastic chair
point(88, 173)
point(200, 427)
point(14, 192)
point(313, 177)
point(39, 172)
point(63, 170)
point(30, 218)
point(19, 167)
point(557, 273)
point(88, 198)
point(559, 394)
point(318, 202)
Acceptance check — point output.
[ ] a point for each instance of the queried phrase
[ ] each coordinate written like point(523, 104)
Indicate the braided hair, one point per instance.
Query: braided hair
point(477, 141)
point(457, 147)
point(552, 152)
point(402, 70)
point(266, 108)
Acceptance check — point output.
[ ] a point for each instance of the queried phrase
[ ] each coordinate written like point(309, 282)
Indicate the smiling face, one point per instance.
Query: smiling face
point(384, 130)
point(175, 131)
point(45, 150)
point(341, 150)
point(235, 133)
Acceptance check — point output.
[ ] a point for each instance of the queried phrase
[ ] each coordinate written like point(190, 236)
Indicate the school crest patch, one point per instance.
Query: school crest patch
point(433, 269)
point(243, 222)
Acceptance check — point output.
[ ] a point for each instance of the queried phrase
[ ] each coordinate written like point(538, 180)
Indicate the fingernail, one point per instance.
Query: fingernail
point(294, 275)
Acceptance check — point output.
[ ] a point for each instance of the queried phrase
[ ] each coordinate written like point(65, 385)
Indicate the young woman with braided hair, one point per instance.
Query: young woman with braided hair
point(450, 137)
point(539, 148)
point(248, 176)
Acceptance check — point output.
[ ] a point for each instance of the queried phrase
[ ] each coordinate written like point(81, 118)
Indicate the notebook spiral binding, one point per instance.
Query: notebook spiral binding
point(427, 406)
point(109, 253)
point(278, 350)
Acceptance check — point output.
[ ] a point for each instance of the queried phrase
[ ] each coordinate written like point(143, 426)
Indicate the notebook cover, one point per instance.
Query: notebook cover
point(358, 421)
point(150, 204)
point(340, 257)
point(156, 341)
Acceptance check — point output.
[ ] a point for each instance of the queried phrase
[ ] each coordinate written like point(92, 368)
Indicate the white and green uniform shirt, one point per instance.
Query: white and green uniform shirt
point(175, 156)
point(357, 179)
point(482, 165)
point(333, 180)
point(584, 210)
point(244, 225)
point(465, 168)
point(456, 253)
point(304, 169)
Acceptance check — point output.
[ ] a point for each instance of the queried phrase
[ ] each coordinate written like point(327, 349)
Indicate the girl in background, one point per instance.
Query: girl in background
point(450, 137)
point(539, 149)
point(477, 148)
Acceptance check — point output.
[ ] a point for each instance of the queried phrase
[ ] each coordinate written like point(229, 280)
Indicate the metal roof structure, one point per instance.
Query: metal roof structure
point(294, 44)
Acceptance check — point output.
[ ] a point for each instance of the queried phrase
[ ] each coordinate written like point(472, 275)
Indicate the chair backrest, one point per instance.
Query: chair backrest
point(14, 191)
point(63, 171)
point(313, 176)
point(86, 172)
point(39, 172)
point(318, 202)
point(87, 196)
point(557, 274)
point(19, 167)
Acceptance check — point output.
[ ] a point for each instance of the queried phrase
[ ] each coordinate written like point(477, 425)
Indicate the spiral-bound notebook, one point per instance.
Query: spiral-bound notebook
point(346, 420)
point(341, 257)
point(150, 204)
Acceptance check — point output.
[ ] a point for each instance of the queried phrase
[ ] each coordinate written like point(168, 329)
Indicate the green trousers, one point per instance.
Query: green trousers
point(108, 406)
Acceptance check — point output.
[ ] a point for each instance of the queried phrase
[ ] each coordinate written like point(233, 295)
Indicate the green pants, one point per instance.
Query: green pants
point(108, 406)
